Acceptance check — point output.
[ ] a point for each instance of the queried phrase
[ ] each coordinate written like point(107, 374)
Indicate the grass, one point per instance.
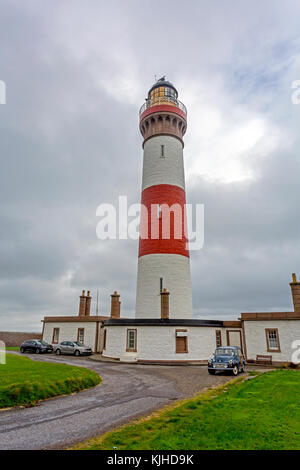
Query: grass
point(12, 348)
point(24, 381)
point(260, 413)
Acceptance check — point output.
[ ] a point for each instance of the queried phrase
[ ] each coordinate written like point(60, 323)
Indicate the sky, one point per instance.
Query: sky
point(76, 74)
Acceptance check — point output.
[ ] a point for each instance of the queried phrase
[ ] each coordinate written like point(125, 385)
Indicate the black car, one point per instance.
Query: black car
point(227, 359)
point(36, 346)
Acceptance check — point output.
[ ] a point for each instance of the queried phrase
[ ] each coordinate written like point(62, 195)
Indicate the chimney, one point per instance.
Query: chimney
point(115, 305)
point(82, 304)
point(88, 304)
point(164, 303)
point(295, 287)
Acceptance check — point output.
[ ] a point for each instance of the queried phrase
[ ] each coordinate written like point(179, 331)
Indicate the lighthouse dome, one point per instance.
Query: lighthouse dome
point(163, 87)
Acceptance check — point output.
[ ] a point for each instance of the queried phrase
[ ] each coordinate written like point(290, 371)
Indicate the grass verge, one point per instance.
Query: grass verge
point(24, 381)
point(260, 413)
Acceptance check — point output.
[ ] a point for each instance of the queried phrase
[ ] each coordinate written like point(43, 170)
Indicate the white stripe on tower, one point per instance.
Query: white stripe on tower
point(163, 170)
point(163, 124)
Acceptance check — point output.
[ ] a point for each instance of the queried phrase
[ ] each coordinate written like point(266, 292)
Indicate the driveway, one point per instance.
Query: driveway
point(127, 391)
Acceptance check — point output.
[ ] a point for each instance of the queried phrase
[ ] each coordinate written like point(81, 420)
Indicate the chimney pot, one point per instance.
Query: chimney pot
point(82, 304)
point(115, 305)
point(88, 301)
point(295, 287)
point(164, 303)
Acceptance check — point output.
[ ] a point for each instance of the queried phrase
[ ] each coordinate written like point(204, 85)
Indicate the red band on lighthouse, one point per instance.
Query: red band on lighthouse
point(163, 221)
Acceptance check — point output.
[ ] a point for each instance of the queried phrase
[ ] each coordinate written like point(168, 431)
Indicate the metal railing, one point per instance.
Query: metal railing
point(162, 100)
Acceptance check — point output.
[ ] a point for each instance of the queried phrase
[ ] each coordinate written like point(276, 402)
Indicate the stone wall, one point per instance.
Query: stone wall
point(158, 343)
point(15, 338)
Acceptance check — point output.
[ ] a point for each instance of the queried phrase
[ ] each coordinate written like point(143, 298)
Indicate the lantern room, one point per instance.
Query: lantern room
point(162, 92)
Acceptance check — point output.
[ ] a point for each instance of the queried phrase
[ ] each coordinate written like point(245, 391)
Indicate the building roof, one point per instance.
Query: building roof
point(91, 318)
point(160, 322)
point(270, 316)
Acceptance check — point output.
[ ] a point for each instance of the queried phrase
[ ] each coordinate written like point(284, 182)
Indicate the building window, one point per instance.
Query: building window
point(104, 339)
point(55, 336)
point(80, 335)
point(218, 338)
point(131, 340)
point(272, 338)
point(181, 341)
point(162, 151)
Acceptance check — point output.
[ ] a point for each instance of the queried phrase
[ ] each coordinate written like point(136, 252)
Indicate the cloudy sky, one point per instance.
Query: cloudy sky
point(76, 74)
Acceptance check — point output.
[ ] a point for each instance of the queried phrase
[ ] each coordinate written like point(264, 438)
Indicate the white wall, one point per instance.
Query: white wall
point(175, 271)
point(68, 332)
point(163, 170)
point(158, 342)
point(288, 331)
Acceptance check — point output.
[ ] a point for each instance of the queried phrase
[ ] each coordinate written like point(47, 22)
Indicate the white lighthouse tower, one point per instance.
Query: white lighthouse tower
point(163, 257)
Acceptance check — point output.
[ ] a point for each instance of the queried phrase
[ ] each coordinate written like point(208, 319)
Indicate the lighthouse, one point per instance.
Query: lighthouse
point(164, 329)
point(163, 259)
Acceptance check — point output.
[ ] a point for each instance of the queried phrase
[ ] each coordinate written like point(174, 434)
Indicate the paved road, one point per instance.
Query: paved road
point(127, 391)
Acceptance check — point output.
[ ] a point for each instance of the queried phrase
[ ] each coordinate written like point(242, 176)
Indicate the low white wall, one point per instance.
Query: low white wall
point(158, 343)
point(255, 332)
point(68, 331)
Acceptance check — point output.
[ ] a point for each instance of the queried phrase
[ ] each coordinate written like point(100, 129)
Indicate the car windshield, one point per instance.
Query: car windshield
point(43, 342)
point(78, 343)
point(224, 352)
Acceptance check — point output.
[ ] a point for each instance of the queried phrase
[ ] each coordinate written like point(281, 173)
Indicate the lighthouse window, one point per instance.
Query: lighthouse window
point(80, 335)
point(170, 92)
point(181, 341)
point(162, 150)
point(218, 338)
point(272, 340)
point(131, 340)
point(55, 335)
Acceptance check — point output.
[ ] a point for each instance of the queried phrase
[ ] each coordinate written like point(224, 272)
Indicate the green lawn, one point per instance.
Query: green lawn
point(12, 348)
point(24, 381)
point(260, 413)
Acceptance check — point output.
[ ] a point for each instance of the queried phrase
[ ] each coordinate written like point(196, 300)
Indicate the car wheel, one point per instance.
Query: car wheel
point(77, 353)
point(58, 352)
point(211, 372)
point(37, 351)
point(22, 350)
point(235, 370)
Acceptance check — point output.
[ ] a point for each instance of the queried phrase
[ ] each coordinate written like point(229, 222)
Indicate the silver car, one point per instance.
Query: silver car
point(72, 347)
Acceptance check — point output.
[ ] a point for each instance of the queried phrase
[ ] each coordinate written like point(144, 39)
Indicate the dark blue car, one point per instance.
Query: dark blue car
point(227, 358)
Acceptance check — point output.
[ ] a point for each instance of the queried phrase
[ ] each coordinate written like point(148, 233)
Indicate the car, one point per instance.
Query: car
point(228, 359)
point(36, 346)
point(72, 347)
